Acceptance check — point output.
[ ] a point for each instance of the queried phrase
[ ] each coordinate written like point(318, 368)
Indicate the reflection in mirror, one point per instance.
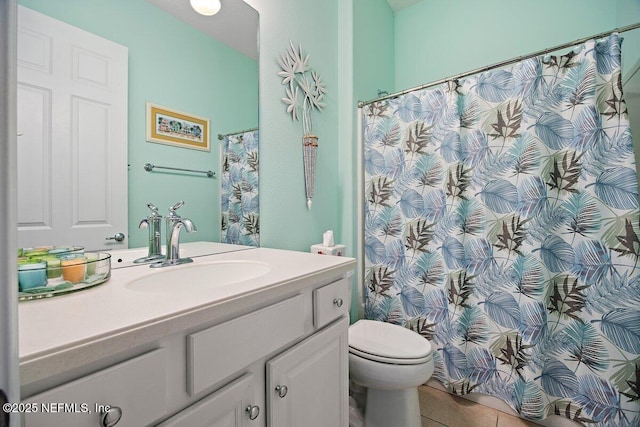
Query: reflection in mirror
point(202, 66)
point(239, 192)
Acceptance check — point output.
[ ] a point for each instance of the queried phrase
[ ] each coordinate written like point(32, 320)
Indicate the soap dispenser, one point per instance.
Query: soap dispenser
point(154, 223)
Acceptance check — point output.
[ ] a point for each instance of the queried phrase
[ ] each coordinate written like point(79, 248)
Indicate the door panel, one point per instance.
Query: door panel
point(34, 196)
point(72, 148)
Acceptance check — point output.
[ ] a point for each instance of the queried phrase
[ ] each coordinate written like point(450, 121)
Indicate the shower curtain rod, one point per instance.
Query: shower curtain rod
point(500, 64)
point(221, 136)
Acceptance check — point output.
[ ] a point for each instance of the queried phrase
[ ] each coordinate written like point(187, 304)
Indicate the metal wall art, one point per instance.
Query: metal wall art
point(304, 93)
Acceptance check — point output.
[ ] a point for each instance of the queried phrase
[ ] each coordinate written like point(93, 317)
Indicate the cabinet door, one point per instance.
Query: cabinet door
point(307, 385)
point(231, 406)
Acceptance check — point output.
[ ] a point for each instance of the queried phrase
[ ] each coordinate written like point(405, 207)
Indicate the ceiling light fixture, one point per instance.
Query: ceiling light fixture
point(206, 7)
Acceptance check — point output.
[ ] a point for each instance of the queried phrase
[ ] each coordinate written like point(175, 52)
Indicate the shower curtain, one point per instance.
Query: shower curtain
point(501, 223)
point(240, 205)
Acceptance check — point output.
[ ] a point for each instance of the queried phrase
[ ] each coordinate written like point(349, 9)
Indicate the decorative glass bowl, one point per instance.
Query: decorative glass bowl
point(57, 270)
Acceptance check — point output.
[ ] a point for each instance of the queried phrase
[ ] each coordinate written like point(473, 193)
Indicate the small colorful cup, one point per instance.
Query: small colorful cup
point(32, 275)
point(54, 269)
point(74, 269)
point(92, 262)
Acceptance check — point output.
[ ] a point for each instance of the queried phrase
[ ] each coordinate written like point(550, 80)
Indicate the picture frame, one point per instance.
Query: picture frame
point(172, 127)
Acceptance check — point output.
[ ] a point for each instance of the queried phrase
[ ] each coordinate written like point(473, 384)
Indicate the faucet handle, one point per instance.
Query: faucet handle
point(174, 208)
point(154, 211)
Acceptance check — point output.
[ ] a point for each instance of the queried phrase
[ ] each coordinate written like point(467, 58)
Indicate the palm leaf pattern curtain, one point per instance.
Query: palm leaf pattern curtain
point(240, 204)
point(502, 225)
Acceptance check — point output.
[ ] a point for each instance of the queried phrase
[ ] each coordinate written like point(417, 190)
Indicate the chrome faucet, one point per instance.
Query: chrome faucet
point(152, 222)
point(175, 223)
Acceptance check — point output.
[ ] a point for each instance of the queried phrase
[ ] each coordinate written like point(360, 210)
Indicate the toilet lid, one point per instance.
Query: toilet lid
point(387, 341)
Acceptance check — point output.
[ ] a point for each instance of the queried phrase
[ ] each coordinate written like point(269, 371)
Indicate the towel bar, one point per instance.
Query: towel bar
point(149, 167)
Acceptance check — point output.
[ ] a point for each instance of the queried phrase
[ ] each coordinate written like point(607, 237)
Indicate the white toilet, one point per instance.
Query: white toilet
point(391, 362)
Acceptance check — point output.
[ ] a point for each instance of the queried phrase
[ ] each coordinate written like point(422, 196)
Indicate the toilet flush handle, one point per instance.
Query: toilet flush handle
point(282, 390)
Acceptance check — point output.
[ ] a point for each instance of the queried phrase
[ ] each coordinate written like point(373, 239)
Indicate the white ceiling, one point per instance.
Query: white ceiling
point(236, 24)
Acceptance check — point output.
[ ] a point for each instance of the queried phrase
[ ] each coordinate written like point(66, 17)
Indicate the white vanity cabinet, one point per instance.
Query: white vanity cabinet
point(306, 384)
point(275, 356)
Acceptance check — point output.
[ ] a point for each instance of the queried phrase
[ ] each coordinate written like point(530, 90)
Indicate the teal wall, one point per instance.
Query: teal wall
point(325, 30)
point(628, 12)
point(174, 65)
point(373, 41)
point(435, 39)
point(285, 220)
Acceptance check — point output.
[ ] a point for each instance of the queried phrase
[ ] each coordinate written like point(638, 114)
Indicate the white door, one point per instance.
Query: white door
point(72, 135)
point(307, 385)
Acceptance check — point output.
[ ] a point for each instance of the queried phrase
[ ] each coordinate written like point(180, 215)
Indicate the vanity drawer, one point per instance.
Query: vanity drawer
point(215, 353)
point(138, 387)
point(330, 302)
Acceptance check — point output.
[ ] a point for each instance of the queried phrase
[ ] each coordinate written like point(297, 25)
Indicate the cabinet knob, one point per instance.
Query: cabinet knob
point(111, 416)
point(253, 411)
point(282, 390)
point(338, 302)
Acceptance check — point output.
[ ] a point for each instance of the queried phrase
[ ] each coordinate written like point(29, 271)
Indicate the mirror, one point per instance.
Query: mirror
point(203, 66)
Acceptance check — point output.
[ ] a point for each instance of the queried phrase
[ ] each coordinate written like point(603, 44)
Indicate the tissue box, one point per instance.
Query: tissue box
point(337, 250)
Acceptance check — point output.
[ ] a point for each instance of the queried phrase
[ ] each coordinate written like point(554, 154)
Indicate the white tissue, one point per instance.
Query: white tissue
point(327, 238)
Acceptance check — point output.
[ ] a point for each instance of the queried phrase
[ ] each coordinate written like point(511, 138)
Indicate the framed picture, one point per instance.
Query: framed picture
point(172, 127)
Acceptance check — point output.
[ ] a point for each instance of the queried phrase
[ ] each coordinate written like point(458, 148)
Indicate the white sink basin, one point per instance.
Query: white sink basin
point(199, 276)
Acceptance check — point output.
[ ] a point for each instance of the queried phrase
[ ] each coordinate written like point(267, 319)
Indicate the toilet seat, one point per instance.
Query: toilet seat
point(392, 361)
point(388, 343)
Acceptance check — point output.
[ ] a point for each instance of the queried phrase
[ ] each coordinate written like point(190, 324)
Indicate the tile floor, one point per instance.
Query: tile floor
point(441, 409)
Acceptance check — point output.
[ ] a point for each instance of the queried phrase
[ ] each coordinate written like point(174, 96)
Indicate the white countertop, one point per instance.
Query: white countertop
point(61, 328)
